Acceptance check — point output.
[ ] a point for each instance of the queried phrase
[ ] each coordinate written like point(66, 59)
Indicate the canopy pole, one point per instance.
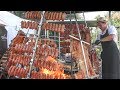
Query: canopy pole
point(110, 20)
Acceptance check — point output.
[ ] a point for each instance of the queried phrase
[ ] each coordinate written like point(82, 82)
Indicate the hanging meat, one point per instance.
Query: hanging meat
point(77, 54)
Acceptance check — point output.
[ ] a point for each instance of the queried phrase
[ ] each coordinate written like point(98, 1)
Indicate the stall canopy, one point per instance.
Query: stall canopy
point(12, 25)
point(2, 23)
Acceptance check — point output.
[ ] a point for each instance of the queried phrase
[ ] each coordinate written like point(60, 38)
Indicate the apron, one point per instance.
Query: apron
point(110, 59)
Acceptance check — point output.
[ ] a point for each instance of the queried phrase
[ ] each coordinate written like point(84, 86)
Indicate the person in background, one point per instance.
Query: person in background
point(110, 54)
point(3, 40)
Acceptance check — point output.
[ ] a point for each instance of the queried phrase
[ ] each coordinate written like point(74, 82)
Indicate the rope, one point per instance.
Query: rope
point(84, 19)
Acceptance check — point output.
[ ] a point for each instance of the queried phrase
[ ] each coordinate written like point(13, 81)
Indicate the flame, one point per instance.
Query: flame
point(46, 71)
point(56, 74)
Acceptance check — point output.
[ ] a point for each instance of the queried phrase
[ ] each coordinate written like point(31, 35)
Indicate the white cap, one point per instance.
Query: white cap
point(101, 19)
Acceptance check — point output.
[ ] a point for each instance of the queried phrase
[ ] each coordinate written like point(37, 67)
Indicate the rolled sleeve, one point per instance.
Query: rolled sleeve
point(112, 30)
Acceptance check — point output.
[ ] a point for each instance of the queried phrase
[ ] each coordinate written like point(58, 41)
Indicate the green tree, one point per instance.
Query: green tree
point(73, 17)
point(115, 19)
point(18, 13)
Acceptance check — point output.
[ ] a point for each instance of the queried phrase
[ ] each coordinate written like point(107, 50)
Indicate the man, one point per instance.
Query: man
point(3, 40)
point(110, 55)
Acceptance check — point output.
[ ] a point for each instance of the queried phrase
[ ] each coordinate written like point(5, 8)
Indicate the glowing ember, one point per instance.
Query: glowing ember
point(56, 74)
point(46, 71)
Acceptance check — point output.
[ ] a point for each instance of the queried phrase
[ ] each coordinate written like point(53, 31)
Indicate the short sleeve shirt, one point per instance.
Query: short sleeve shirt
point(111, 30)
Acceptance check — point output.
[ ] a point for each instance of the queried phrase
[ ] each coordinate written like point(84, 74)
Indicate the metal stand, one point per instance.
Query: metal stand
point(59, 46)
point(34, 49)
point(110, 20)
point(87, 76)
point(45, 33)
point(47, 36)
point(70, 49)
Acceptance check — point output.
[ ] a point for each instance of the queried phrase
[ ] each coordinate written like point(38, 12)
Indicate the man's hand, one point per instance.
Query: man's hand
point(97, 42)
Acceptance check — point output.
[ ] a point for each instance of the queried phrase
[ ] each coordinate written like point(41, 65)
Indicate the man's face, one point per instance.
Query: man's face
point(102, 25)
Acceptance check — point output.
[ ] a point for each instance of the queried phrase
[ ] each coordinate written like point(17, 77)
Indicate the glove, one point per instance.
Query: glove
point(97, 42)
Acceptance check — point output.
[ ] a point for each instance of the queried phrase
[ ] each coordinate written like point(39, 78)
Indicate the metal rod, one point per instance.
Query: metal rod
point(71, 31)
point(84, 19)
point(82, 47)
point(59, 45)
point(91, 23)
point(54, 35)
point(45, 34)
point(85, 22)
point(79, 39)
point(34, 50)
point(90, 44)
point(47, 31)
point(110, 21)
point(51, 36)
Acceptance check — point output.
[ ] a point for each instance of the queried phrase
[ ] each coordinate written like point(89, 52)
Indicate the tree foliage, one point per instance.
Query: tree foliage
point(115, 18)
point(18, 13)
